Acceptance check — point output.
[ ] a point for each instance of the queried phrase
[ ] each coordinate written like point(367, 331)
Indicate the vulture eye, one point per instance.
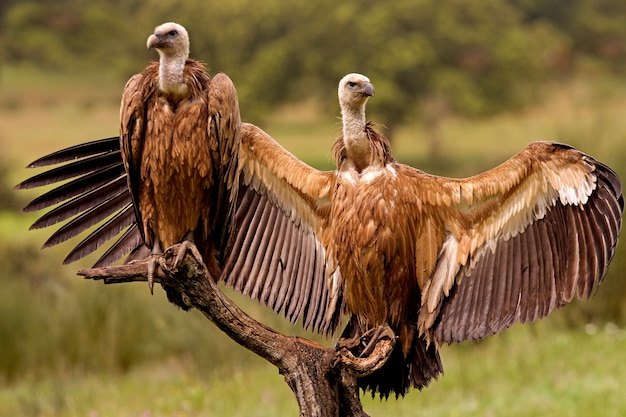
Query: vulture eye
point(173, 33)
point(351, 84)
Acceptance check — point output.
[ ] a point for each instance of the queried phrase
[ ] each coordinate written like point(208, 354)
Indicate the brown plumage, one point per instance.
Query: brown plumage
point(440, 260)
point(179, 137)
point(175, 170)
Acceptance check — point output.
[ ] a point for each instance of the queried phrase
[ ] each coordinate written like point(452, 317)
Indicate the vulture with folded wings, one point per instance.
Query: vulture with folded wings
point(439, 260)
point(179, 138)
point(172, 176)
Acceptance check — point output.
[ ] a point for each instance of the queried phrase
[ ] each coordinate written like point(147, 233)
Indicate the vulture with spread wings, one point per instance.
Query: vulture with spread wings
point(439, 260)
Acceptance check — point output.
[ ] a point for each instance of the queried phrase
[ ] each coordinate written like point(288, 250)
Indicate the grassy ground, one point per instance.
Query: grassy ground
point(528, 371)
point(75, 348)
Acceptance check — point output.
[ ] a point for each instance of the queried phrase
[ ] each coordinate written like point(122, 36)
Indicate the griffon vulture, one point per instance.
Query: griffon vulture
point(171, 177)
point(179, 138)
point(439, 260)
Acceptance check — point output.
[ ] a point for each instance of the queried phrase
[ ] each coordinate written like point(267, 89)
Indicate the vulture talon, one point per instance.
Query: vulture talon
point(382, 332)
point(188, 245)
point(171, 192)
point(156, 260)
point(372, 358)
point(348, 343)
point(152, 263)
point(369, 340)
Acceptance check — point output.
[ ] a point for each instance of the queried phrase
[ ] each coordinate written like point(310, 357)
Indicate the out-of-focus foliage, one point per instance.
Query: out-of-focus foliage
point(473, 58)
point(595, 28)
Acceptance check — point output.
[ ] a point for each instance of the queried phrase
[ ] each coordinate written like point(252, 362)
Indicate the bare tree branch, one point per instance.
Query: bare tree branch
point(323, 380)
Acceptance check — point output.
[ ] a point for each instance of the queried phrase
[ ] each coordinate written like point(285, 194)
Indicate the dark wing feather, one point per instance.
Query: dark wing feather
point(89, 218)
point(104, 233)
point(131, 241)
point(78, 151)
point(75, 187)
point(71, 170)
point(276, 254)
point(82, 202)
point(97, 192)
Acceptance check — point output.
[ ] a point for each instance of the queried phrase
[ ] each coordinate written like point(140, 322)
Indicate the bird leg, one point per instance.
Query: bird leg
point(378, 346)
point(188, 244)
point(367, 339)
point(153, 261)
point(381, 332)
point(352, 342)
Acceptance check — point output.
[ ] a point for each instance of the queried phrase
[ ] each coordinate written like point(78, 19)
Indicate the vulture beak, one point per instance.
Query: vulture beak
point(154, 41)
point(368, 89)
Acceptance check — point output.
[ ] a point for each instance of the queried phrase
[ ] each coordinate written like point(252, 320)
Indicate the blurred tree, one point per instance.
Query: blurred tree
point(428, 58)
point(594, 27)
point(66, 35)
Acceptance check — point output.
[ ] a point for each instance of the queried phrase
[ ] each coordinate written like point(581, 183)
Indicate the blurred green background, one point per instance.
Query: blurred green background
point(460, 86)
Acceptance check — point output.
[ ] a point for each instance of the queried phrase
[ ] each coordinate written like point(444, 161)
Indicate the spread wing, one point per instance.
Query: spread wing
point(520, 240)
point(277, 253)
point(95, 191)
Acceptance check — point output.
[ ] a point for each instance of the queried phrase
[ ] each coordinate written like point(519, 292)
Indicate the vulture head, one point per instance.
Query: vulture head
point(354, 90)
point(170, 39)
point(172, 43)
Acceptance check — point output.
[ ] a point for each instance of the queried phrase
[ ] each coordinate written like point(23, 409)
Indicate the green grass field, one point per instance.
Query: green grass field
point(536, 370)
point(70, 347)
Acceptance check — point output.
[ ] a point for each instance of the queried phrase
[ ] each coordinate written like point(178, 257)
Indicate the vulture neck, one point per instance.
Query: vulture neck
point(355, 138)
point(171, 75)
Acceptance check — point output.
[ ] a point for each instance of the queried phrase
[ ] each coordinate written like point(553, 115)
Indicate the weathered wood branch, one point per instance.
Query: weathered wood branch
point(323, 380)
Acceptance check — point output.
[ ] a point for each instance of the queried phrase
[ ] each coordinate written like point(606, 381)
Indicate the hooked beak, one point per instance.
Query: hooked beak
point(154, 41)
point(368, 90)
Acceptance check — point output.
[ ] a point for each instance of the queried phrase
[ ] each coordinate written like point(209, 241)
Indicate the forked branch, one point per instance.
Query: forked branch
point(322, 379)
